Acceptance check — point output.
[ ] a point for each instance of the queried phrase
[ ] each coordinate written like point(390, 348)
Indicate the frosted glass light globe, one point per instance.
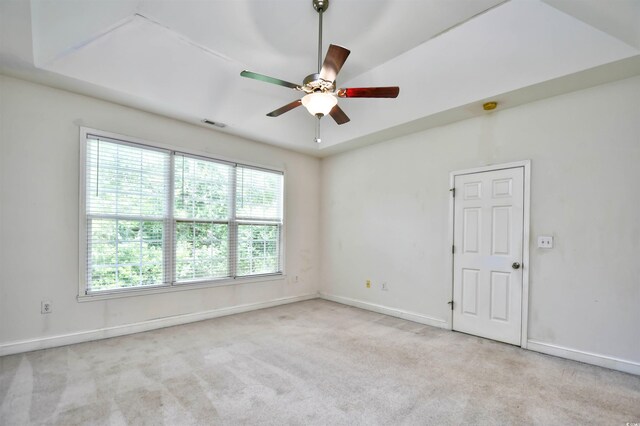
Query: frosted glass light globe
point(319, 103)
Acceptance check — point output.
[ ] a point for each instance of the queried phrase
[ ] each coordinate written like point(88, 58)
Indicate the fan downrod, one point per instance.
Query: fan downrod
point(321, 5)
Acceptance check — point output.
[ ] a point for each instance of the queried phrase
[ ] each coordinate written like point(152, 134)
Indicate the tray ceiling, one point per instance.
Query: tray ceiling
point(183, 59)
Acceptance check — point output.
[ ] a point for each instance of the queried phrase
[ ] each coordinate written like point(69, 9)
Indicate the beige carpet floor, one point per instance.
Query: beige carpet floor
point(313, 362)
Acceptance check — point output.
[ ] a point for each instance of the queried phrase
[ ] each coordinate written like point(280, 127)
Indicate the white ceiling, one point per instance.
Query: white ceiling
point(183, 58)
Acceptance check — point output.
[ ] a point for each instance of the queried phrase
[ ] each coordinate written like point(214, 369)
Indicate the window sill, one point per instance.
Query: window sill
point(134, 292)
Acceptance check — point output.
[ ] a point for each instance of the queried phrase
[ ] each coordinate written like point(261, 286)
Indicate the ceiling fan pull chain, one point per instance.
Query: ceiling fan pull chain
point(318, 140)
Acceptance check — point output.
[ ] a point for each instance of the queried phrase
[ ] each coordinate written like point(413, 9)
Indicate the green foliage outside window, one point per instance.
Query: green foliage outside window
point(126, 253)
point(132, 239)
point(257, 249)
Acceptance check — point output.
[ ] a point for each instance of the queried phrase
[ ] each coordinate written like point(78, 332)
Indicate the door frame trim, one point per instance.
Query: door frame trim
point(526, 235)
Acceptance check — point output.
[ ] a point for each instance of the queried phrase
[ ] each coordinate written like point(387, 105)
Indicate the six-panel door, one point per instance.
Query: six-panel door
point(488, 233)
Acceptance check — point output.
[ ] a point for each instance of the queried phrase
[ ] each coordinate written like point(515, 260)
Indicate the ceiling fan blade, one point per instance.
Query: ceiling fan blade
point(369, 92)
point(338, 115)
point(268, 79)
point(287, 107)
point(336, 56)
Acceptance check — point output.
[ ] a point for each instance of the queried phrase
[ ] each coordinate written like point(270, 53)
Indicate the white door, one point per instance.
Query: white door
point(487, 270)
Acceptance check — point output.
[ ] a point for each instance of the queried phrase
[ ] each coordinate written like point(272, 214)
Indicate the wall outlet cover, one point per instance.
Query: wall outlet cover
point(545, 242)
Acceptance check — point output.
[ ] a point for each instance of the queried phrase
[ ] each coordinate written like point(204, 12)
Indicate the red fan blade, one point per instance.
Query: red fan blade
point(287, 107)
point(336, 55)
point(369, 92)
point(338, 115)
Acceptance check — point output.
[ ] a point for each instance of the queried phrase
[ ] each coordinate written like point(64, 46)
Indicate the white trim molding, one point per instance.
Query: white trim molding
point(121, 330)
point(605, 361)
point(394, 312)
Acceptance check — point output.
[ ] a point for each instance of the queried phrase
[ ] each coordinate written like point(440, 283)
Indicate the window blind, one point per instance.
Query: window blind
point(126, 212)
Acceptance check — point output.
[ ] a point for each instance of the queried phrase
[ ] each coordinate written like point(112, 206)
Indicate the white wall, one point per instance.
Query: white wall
point(39, 169)
point(385, 215)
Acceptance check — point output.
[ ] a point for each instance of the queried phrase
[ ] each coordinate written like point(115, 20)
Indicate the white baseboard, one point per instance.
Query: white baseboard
point(586, 357)
point(545, 348)
point(121, 330)
point(399, 313)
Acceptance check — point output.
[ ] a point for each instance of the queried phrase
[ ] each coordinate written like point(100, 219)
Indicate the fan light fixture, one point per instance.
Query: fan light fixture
point(319, 104)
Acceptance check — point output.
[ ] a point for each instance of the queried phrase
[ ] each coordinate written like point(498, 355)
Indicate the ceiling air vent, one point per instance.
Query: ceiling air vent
point(214, 123)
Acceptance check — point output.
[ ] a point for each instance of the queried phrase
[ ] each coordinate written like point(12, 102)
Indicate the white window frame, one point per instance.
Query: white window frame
point(83, 290)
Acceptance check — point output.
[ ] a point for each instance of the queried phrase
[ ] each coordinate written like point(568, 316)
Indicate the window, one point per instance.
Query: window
point(157, 217)
point(202, 216)
point(259, 213)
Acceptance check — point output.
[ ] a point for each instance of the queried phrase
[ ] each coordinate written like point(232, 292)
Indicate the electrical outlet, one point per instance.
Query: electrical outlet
point(545, 242)
point(46, 307)
point(385, 287)
point(368, 284)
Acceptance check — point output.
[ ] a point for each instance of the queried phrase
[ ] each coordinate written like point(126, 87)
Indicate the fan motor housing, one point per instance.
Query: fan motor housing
point(313, 83)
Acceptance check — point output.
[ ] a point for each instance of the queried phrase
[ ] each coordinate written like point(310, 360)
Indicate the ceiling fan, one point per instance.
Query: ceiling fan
point(321, 95)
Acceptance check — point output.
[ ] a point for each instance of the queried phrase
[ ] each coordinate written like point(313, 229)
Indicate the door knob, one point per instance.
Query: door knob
point(515, 265)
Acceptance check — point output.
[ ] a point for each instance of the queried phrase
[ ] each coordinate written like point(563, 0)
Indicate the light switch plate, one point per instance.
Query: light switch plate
point(545, 242)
